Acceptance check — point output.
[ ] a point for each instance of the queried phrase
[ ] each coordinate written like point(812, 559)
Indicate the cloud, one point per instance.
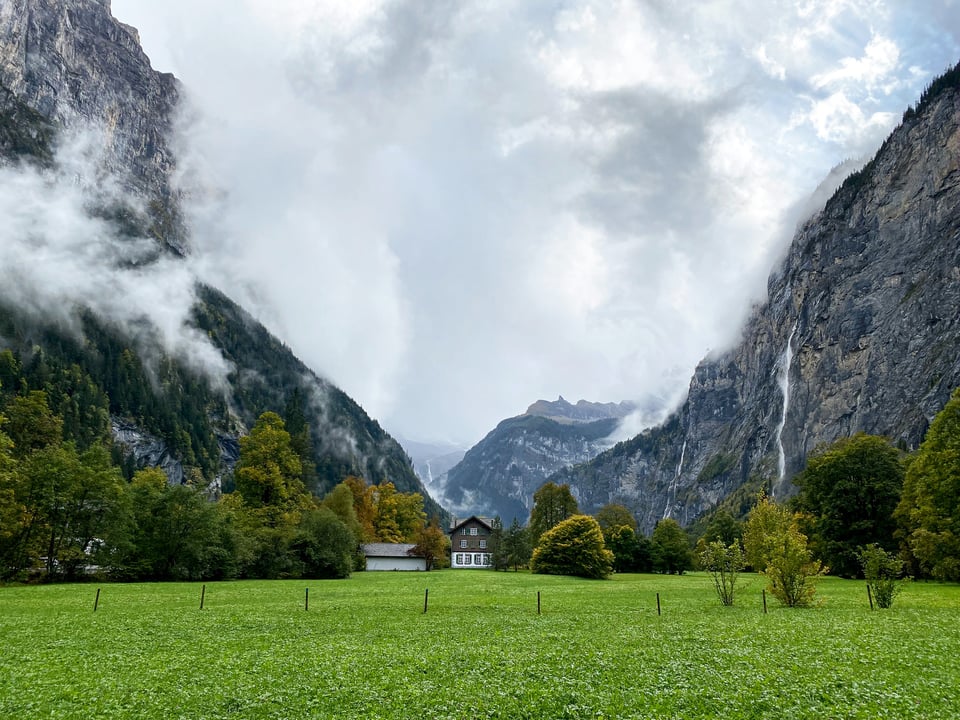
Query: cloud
point(453, 209)
point(59, 255)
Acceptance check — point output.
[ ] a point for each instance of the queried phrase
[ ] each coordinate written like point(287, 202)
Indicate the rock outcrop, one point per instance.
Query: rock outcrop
point(860, 332)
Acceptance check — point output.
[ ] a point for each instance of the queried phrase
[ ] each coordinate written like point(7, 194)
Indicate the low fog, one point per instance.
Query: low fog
point(454, 209)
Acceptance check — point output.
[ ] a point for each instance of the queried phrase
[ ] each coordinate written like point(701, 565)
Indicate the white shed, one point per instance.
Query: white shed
point(392, 556)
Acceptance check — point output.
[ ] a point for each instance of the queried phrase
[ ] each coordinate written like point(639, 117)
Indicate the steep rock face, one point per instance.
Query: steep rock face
point(66, 66)
point(860, 332)
point(75, 65)
point(499, 475)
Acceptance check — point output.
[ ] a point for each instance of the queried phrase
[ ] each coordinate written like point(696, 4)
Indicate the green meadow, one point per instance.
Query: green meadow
point(365, 649)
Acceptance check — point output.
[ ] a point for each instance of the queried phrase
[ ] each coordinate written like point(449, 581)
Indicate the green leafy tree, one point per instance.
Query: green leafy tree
point(929, 510)
point(723, 527)
point(323, 545)
point(724, 563)
point(13, 513)
point(552, 504)
point(573, 547)
point(31, 424)
point(882, 571)
point(177, 534)
point(775, 546)
point(517, 545)
point(851, 489)
point(623, 542)
point(498, 550)
point(614, 515)
point(671, 548)
point(433, 545)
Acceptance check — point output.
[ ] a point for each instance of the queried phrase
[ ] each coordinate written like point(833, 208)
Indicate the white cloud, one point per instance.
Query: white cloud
point(453, 209)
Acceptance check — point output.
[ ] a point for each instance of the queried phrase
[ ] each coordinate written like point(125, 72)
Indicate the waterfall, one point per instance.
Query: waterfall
point(783, 380)
point(673, 485)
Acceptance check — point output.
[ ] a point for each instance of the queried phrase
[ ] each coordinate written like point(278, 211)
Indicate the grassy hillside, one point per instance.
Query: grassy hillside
point(366, 649)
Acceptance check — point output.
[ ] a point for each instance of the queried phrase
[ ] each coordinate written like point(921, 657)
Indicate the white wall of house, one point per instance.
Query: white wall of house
point(475, 560)
point(398, 563)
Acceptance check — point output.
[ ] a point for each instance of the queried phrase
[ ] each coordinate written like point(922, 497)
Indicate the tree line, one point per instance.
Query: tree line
point(67, 511)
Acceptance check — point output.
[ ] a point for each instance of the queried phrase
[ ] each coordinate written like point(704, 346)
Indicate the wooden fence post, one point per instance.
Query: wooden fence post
point(426, 595)
point(96, 600)
point(658, 604)
point(203, 592)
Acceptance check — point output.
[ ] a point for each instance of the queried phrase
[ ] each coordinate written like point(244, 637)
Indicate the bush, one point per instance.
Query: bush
point(882, 571)
point(724, 563)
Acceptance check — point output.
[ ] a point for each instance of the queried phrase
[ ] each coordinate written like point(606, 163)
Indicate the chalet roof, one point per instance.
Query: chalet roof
point(388, 549)
point(486, 522)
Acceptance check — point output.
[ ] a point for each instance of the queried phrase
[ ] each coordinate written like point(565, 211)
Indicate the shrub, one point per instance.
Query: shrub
point(882, 571)
point(573, 547)
point(724, 563)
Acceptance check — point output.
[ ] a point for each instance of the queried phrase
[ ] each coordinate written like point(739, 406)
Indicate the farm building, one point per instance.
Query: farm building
point(469, 540)
point(392, 556)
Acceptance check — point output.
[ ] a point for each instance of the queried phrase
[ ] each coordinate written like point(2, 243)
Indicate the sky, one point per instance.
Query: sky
point(453, 209)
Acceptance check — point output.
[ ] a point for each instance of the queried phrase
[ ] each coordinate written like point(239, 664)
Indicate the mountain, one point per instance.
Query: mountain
point(860, 331)
point(500, 474)
point(69, 70)
point(584, 411)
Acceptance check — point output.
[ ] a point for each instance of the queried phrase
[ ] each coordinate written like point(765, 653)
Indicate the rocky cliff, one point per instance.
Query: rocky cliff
point(67, 67)
point(860, 332)
point(75, 65)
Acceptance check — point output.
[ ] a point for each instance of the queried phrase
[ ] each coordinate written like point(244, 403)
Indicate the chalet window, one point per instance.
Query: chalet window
point(459, 558)
point(483, 544)
point(463, 544)
point(466, 559)
point(473, 531)
point(478, 559)
point(486, 559)
point(463, 531)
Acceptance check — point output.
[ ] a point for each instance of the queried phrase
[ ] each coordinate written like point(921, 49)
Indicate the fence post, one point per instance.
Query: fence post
point(764, 602)
point(426, 595)
point(869, 596)
point(658, 604)
point(538, 602)
point(96, 600)
point(203, 592)
point(306, 599)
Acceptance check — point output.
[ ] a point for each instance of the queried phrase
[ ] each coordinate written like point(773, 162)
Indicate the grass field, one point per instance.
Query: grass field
point(365, 649)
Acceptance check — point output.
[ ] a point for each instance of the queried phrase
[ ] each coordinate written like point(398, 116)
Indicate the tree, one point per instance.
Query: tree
point(177, 533)
point(614, 515)
point(268, 473)
point(775, 546)
point(622, 541)
point(573, 547)
point(552, 504)
point(13, 513)
point(766, 523)
point(882, 571)
point(363, 505)
point(723, 527)
point(433, 545)
point(724, 563)
point(31, 425)
point(498, 550)
point(671, 548)
point(517, 545)
point(399, 516)
point(929, 510)
point(851, 489)
point(323, 545)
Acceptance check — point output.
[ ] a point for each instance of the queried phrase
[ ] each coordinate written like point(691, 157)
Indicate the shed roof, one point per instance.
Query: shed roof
point(388, 549)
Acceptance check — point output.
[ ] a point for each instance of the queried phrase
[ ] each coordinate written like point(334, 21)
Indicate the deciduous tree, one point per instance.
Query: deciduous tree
point(929, 509)
point(724, 563)
point(573, 547)
point(433, 545)
point(851, 489)
point(671, 548)
point(552, 504)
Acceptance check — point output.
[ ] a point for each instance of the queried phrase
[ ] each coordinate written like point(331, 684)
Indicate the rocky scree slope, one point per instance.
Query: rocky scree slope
point(860, 332)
